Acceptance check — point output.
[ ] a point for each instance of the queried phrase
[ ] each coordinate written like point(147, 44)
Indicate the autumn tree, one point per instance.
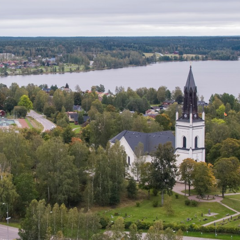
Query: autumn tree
point(203, 178)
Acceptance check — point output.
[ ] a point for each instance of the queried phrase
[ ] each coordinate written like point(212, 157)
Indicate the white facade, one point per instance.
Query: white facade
point(190, 139)
point(131, 156)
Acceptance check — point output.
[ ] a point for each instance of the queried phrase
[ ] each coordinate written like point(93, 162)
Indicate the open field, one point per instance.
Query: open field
point(146, 212)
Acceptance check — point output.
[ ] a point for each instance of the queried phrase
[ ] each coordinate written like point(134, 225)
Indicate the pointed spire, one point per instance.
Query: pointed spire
point(190, 84)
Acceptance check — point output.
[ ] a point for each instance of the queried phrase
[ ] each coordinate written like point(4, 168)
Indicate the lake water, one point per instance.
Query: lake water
point(210, 77)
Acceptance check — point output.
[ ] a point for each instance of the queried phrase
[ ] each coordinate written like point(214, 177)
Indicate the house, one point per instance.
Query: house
point(73, 117)
point(2, 113)
point(46, 90)
point(77, 108)
point(130, 140)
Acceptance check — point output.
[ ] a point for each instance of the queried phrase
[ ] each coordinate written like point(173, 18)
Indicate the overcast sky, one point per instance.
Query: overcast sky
point(119, 17)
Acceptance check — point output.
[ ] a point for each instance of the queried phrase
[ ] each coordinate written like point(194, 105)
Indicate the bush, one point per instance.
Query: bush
point(132, 189)
point(137, 204)
point(155, 192)
point(104, 222)
point(176, 196)
point(127, 224)
point(187, 202)
point(194, 203)
point(155, 203)
point(116, 214)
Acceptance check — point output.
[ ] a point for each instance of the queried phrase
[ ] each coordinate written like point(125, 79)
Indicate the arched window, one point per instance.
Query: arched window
point(184, 142)
point(196, 142)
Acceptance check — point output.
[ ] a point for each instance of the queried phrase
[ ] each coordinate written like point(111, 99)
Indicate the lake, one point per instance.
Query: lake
point(210, 77)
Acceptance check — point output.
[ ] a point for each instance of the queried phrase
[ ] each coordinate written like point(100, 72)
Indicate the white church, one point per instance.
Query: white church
point(189, 139)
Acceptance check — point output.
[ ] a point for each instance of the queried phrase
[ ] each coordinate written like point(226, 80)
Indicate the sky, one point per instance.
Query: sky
point(119, 18)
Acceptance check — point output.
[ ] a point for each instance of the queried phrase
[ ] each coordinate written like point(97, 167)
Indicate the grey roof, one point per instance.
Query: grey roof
point(190, 84)
point(77, 108)
point(149, 140)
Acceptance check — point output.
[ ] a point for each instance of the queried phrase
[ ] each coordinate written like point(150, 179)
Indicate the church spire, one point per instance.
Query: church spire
point(190, 84)
point(190, 98)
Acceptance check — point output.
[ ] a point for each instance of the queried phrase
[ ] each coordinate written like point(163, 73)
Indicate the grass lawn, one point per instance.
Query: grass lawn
point(35, 123)
point(16, 225)
point(214, 191)
point(212, 235)
point(232, 201)
point(28, 123)
point(148, 213)
point(76, 127)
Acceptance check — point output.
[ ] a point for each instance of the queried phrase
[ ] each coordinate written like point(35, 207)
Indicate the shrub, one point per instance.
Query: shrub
point(187, 202)
point(116, 214)
point(132, 189)
point(155, 192)
point(137, 204)
point(104, 222)
point(194, 203)
point(176, 196)
point(155, 203)
point(127, 224)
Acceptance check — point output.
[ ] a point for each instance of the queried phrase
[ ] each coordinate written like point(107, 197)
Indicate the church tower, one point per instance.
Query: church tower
point(190, 128)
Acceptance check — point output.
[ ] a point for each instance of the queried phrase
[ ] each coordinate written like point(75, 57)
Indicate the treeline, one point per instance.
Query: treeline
point(116, 52)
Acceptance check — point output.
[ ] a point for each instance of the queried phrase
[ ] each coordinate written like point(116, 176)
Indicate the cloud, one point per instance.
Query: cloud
point(115, 17)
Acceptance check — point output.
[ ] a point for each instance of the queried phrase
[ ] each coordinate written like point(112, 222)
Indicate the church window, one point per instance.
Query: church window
point(196, 142)
point(129, 163)
point(184, 142)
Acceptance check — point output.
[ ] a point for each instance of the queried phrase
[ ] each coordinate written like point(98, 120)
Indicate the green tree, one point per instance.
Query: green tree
point(187, 172)
point(164, 169)
point(117, 162)
point(139, 160)
point(20, 111)
point(168, 206)
point(19, 93)
point(8, 192)
point(67, 134)
point(101, 178)
point(132, 189)
point(227, 172)
point(25, 102)
point(56, 173)
point(58, 99)
point(161, 93)
point(26, 189)
point(40, 100)
point(34, 224)
point(9, 104)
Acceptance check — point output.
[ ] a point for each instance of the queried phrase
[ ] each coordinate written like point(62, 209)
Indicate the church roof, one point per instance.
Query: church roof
point(149, 140)
point(190, 80)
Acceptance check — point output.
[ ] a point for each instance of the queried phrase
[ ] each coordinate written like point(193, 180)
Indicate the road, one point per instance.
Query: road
point(8, 233)
point(47, 125)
